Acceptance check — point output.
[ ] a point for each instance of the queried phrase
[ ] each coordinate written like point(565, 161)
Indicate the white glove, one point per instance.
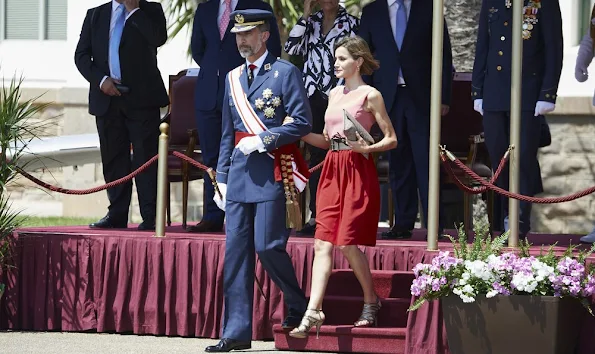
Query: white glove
point(478, 105)
point(220, 201)
point(250, 144)
point(581, 73)
point(543, 107)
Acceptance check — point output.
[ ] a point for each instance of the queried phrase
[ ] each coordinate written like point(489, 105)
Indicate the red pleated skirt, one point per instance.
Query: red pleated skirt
point(348, 200)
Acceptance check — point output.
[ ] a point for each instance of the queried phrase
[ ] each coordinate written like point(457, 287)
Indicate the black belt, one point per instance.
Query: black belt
point(337, 145)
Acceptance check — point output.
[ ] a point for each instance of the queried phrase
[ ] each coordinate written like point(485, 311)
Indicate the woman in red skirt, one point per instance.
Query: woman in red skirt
point(348, 198)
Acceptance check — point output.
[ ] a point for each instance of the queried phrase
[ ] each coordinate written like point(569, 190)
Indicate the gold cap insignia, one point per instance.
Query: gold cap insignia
point(239, 18)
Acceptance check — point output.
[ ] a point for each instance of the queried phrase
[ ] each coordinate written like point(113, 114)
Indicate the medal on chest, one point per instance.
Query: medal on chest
point(530, 17)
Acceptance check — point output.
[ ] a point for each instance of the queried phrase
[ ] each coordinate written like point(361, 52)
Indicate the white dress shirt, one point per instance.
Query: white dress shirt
point(258, 62)
point(234, 3)
point(392, 13)
point(112, 24)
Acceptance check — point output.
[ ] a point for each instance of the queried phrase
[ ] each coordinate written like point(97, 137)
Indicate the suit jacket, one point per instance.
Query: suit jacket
point(216, 56)
point(414, 58)
point(143, 33)
point(251, 178)
point(542, 56)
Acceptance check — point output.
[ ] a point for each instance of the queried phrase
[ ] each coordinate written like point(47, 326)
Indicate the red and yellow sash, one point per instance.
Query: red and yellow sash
point(255, 126)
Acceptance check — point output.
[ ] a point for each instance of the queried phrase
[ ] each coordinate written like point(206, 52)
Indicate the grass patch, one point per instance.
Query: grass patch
point(32, 221)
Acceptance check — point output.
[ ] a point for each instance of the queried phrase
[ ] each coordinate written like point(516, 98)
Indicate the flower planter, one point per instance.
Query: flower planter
point(513, 324)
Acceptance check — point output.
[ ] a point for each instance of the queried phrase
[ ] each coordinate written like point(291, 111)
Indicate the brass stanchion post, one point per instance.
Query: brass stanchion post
point(515, 120)
point(161, 181)
point(435, 119)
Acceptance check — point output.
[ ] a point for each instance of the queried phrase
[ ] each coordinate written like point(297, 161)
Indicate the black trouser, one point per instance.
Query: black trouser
point(318, 104)
point(496, 126)
point(118, 129)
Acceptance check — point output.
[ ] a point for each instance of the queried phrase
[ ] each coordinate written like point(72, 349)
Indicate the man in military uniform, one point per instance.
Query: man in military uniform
point(214, 50)
point(265, 112)
point(542, 65)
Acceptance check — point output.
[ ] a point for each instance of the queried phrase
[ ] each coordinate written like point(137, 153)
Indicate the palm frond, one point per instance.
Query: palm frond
point(17, 128)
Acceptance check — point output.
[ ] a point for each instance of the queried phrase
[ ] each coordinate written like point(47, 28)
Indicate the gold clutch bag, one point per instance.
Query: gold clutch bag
point(351, 126)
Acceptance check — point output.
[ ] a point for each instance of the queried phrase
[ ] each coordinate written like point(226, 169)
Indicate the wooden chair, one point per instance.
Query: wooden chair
point(462, 134)
point(183, 137)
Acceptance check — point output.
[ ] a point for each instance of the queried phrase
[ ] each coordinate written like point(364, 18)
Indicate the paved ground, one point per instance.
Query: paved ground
point(83, 343)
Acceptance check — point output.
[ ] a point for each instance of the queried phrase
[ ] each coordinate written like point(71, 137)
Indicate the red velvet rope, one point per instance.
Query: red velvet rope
point(90, 190)
point(121, 180)
point(489, 185)
point(485, 185)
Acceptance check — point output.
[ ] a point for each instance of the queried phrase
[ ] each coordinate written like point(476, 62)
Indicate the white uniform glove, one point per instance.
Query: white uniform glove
point(220, 201)
point(543, 107)
point(581, 73)
point(250, 144)
point(478, 105)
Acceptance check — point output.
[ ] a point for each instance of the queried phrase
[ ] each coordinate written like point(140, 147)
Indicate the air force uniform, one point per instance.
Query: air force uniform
point(542, 66)
point(269, 107)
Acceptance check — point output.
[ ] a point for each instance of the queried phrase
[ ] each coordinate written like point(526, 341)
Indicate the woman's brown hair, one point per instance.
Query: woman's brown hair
point(358, 48)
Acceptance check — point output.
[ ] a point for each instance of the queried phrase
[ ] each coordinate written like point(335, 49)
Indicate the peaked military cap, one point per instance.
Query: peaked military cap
point(245, 20)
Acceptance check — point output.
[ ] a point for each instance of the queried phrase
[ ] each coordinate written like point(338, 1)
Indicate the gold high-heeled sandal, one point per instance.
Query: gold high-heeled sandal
point(312, 318)
point(369, 315)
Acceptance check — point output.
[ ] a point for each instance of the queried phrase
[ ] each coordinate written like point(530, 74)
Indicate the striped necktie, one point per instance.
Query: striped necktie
point(114, 42)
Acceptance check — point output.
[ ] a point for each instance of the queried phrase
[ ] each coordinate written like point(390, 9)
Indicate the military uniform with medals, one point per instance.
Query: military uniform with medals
point(265, 102)
point(542, 66)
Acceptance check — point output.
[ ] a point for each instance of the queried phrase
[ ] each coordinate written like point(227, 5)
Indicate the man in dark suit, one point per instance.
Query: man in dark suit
point(117, 54)
point(399, 33)
point(542, 66)
point(265, 113)
point(214, 50)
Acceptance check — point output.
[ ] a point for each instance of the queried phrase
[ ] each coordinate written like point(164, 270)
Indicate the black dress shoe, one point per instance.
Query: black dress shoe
point(206, 226)
point(108, 222)
point(147, 226)
point(396, 234)
point(292, 320)
point(307, 230)
point(227, 345)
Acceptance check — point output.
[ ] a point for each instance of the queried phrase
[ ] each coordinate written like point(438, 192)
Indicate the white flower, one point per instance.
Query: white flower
point(269, 112)
point(259, 103)
point(467, 299)
point(524, 282)
point(479, 269)
point(468, 289)
point(491, 293)
point(276, 101)
point(267, 93)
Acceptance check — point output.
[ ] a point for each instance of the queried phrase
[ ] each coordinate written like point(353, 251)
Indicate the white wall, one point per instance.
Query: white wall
point(50, 64)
